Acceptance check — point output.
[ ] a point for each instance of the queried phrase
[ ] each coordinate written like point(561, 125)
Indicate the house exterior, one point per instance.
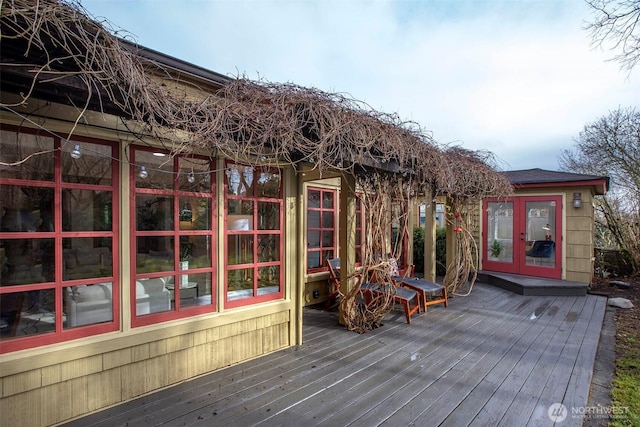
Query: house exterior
point(546, 229)
point(128, 262)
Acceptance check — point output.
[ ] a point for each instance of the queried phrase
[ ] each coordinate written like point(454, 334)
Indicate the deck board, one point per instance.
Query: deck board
point(484, 360)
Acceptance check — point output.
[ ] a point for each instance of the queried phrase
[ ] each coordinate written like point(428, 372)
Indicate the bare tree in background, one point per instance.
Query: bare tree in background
point(616, 25)
point(611, 146)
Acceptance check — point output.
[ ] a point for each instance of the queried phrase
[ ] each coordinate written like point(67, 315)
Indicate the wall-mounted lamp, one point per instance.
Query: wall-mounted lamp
point(577, 200)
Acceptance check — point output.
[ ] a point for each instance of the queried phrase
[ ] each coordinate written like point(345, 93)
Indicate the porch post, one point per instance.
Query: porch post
point(430, 240)
point(451, 237)
point(347, 231)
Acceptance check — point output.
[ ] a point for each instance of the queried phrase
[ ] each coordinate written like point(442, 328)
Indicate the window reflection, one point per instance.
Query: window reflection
point(86, 210)
point(93, 166)
point(86, 258)
point(88, 304)
point(27, 313)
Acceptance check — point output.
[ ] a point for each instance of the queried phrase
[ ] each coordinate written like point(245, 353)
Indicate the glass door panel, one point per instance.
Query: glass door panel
point(539, 247)
point(499, 231)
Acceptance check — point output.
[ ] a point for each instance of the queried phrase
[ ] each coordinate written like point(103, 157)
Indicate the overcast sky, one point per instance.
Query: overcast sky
point(517, 77)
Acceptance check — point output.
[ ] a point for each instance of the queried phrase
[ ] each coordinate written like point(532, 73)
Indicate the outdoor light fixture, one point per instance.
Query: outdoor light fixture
point(143, 172)
point(191, 177)
point(76, 152)
point(577, 200)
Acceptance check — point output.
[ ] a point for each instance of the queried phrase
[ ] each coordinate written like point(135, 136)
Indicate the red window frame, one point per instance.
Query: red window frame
point(63, 144)
point(253, 234)
point(171, 167)
point(328, 251)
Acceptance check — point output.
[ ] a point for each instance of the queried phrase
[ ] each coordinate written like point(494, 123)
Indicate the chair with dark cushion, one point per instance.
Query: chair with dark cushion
point(541, 249)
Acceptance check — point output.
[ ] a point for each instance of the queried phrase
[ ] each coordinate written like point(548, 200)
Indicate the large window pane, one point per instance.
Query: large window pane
point(153, 295)
point(86, 258)
point(196, 250)
point(327, 200)
point(268, 216)
point(240, 180)
point(26, 208)
point(88, 304)
point(27, 313)
point(240, 283)
point(313, 199)
point(268, 279)
point(327, 219)
point(93, 166)
point(26, 156)
point(194, 175)
point(313, 260)
point(26, 261)
point(269, 185)
point(149, 259)
point(86, 210)
point(313, 239)
point(268, 247)
point(240, 249)
point(159, 169)
point(195, 213)
point(154, 212)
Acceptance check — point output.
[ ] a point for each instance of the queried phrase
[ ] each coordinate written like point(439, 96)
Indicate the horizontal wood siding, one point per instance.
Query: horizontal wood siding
point(54, 393)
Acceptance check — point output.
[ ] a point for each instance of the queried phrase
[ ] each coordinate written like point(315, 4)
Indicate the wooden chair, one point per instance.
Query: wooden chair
point(429, 293)
point(375, 292)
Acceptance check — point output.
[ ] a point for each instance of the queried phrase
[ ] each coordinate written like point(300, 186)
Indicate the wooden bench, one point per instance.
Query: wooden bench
point(430, 293)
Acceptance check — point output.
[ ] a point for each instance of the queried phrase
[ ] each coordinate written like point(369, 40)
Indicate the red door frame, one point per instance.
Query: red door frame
point(518, 264)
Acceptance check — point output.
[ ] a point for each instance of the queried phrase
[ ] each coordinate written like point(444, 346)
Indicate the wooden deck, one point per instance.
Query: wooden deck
point(493, 358)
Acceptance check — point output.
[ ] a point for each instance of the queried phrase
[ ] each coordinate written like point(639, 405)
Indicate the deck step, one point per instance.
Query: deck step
point(529, 285)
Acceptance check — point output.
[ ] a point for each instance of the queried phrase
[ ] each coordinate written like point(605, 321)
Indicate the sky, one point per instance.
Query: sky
point(519, 78)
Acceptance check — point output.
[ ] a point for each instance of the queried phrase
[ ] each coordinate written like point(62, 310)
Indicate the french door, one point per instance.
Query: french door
point(523, 236)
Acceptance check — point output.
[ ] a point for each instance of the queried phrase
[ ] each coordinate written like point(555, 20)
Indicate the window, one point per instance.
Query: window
point(173, 241)
point(321, 228)
point(253, 218)
point(58, 239)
